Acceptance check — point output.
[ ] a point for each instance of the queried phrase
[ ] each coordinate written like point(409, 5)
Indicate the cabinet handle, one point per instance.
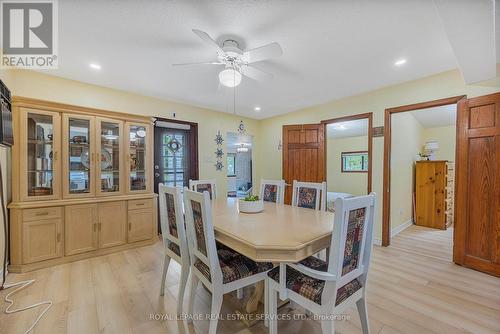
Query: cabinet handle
point(59, 237)
point(99, 227)
point(45, 213)
point(95, 227)
point(139, 204)
point(92, 158)
point(129, 226)
point(55, 155)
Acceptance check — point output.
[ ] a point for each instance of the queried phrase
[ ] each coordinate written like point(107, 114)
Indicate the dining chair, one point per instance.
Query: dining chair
point(309, 195)
point(220, 269)
point(174, 237)
point(209, 185)
point(272, 191)
point(327, 288)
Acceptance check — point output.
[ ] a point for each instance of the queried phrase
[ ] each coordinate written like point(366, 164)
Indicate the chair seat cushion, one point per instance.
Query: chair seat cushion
point(174, 248)
point(234, 266)
point(312, 288)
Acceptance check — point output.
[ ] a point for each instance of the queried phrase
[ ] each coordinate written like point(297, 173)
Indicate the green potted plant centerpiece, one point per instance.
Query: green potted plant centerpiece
point(251, 204)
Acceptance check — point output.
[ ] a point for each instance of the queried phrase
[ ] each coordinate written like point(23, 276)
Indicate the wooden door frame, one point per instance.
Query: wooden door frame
point(386, 207)
point(369, 116)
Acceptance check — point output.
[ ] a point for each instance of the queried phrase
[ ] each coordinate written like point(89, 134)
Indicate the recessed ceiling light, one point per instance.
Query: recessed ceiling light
point(95, 66)
point(256, 108)
point(400, 62)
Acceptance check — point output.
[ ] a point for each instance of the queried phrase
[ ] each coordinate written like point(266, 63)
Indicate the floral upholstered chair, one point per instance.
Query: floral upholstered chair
point(174, 237)
point(204, 185)
point(272, 191)
point(220, 269)
point(309, 195)
point(327, 288)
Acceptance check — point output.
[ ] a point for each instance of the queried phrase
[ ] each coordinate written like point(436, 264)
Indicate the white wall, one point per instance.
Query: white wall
point(446, 137)
point(353, 183)
point(406, 143)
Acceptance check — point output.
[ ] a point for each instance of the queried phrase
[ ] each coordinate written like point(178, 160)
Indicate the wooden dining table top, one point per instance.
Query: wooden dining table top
point(280, 233)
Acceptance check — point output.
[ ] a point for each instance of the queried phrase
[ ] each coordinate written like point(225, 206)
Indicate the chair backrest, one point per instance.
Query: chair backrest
point(309, 195)
point(204, 185)
point(351, 245)
point(272, 191)
point(172, 220)
point(200, 232)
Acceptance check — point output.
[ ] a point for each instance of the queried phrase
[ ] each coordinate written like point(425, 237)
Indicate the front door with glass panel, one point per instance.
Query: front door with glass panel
point(172, 165)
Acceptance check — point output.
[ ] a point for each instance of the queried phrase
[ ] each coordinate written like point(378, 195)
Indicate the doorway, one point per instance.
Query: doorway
point(348, 157)
point(423, 150)
point(239, 164)
point(386, 210)
point(175, 153)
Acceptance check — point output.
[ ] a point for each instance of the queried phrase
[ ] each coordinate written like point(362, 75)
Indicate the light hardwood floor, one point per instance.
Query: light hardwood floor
point(408, 292)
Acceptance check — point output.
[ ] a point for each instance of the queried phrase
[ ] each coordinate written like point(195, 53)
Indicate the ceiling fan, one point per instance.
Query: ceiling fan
point(236, 61)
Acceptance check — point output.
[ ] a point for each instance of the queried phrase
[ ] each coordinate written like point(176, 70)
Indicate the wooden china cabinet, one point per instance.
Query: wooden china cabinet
point(82, 183)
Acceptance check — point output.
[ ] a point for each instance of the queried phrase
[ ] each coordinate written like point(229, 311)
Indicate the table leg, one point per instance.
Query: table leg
point(255, 298)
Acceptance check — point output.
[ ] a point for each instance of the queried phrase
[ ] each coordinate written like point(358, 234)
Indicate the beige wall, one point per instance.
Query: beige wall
point(438, 86)
point(353, 183)
point(45, 87)
point(406, 143)
point(446, 137)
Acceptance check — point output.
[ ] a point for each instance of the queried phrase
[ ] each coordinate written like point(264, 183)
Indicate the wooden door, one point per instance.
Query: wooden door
point(477, 230)
point(112, 224)
point(81, 228)
point(42, 240)
point(303, 155)
point(430, 193)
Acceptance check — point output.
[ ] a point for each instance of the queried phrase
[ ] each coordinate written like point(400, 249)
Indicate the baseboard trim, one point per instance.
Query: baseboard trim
point(395, 231)
point(400, 228)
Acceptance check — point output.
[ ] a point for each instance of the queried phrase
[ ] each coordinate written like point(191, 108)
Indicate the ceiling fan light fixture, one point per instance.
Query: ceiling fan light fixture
point(230, 77)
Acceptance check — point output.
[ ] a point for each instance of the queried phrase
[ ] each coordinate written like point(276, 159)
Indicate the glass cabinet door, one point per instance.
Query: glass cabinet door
point(110, 134)
point(78, 156)
point(138, 157)
point(41, 132)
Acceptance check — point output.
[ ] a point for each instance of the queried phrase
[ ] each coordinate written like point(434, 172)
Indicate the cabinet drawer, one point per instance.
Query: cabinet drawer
point(140, 204)
point(42, 213)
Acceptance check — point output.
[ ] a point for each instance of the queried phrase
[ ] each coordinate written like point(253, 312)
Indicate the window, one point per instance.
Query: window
point(231, 164)
point(354, 162)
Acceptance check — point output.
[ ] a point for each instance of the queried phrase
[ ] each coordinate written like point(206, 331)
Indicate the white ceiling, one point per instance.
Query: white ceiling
point(354, 128)
point(436, 117)
point(332, 49)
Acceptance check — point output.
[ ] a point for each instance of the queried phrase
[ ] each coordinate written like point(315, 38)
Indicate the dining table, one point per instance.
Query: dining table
point(280, 234)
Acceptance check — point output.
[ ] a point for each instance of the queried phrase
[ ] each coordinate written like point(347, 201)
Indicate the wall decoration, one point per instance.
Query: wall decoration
point(241, 128)
point(378, 131)
point(219, 153)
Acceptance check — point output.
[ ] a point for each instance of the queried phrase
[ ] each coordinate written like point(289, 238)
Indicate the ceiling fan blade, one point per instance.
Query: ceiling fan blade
point(206, 37)
point(200, 63)
point(271, 50)
point(255, 73)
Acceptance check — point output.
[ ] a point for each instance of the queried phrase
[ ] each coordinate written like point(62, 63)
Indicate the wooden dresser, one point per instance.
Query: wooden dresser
point(434, 187)
point(82, 183)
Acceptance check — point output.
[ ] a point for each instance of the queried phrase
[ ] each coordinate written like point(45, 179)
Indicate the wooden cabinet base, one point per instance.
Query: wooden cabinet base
point(22, 268)
point(48, 233)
